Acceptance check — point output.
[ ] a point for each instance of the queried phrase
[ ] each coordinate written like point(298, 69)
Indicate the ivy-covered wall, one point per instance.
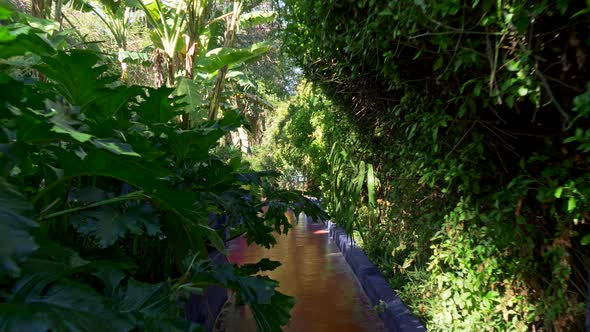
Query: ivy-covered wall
point(456, 142)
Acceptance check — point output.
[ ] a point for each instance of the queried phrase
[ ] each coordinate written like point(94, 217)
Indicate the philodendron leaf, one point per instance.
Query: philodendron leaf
point(157, 106)
point(151, 304)
point(114, 146)
point(19, 39)
point(107, 224)
point(149, 299)
point(264, 264)
point(270, 308)
point(39, 303)
point(16, 241)
point(190, 94)
point(272, 316)
point(80, 92)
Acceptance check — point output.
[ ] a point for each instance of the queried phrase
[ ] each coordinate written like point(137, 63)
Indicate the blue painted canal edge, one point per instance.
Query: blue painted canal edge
point(204, 309)
point(396, 316)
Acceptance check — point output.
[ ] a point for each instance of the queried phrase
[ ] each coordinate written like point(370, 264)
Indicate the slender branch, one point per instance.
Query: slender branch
point(507, 145)
point(566, 123)
point(569, 86)
point(257, 100)
point(82, 37)
point(461, 140)
point(133, 195)
point(455, 32)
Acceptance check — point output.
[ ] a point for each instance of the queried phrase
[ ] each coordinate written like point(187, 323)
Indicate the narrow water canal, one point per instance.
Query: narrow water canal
point(313, 270)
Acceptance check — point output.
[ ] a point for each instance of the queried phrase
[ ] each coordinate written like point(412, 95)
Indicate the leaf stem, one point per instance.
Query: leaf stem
point(133, 195)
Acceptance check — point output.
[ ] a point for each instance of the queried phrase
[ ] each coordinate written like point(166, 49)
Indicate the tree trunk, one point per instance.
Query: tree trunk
point(40, 8)
point(170, 67)
point(57, 14)
point(158, 65)
point(191, 49)
point(228, 42)
point(124, 74)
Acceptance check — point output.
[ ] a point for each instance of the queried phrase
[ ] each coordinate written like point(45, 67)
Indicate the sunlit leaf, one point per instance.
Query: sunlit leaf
point(114, 146)
point(571, 204)
point(221, 57)
point(190, 93)
point(252, 19)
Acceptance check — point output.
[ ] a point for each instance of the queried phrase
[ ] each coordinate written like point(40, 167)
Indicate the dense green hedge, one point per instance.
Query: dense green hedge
point(466, 170)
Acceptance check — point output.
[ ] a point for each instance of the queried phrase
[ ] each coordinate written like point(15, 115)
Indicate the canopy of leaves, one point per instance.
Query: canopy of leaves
point(474, 119)
point(103, 195)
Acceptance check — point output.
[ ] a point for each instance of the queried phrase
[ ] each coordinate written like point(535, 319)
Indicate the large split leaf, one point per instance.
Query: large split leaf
point(158, 107)
point(16, 241)
point(191, 95)
point(19, 39)
point(115, 146)
point(39, 303)
point(147, 299)
point(78, 91)
point(264, 264)
point(221, 57)
point(272, 316)
point(151, 304)
point(270, 308)
point(54, 259)
point(107, 224)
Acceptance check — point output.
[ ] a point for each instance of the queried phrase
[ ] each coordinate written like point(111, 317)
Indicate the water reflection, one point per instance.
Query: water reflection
point(327, 293)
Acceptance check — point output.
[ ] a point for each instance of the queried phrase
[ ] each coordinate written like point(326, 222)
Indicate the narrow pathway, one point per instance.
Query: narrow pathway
point(328, 295)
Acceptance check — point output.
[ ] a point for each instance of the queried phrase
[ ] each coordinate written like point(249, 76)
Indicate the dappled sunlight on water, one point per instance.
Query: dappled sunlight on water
point(327, 293)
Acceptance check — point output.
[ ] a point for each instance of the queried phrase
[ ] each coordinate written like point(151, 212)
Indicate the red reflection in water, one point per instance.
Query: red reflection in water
point(328, 295)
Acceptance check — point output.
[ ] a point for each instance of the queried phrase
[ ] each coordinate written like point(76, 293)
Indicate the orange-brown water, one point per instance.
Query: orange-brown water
point(328, 296)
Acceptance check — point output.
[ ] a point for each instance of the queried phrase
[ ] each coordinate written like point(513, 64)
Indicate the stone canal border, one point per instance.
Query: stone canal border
point(395, 314)
point(205, 308)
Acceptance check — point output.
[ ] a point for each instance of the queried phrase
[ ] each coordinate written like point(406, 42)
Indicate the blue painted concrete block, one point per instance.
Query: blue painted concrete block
point(396, 315)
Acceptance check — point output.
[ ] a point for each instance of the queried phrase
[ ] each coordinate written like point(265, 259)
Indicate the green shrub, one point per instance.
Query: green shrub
point(105, 202)
point(474, 118)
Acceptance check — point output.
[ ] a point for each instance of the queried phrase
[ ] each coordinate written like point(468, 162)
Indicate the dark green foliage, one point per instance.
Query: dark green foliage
point(474, 117)
point(103, 196)
point(15, 214)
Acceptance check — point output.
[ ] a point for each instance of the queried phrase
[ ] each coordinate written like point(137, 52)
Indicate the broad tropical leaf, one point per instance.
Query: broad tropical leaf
point(221, 57)
point(252, 19)
point(16, 241)
point(41, 303)
point(142, 58)
point(19, 39)
point(77, 91)
point(272, 316)
point(191, 94)
point(107, 224)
